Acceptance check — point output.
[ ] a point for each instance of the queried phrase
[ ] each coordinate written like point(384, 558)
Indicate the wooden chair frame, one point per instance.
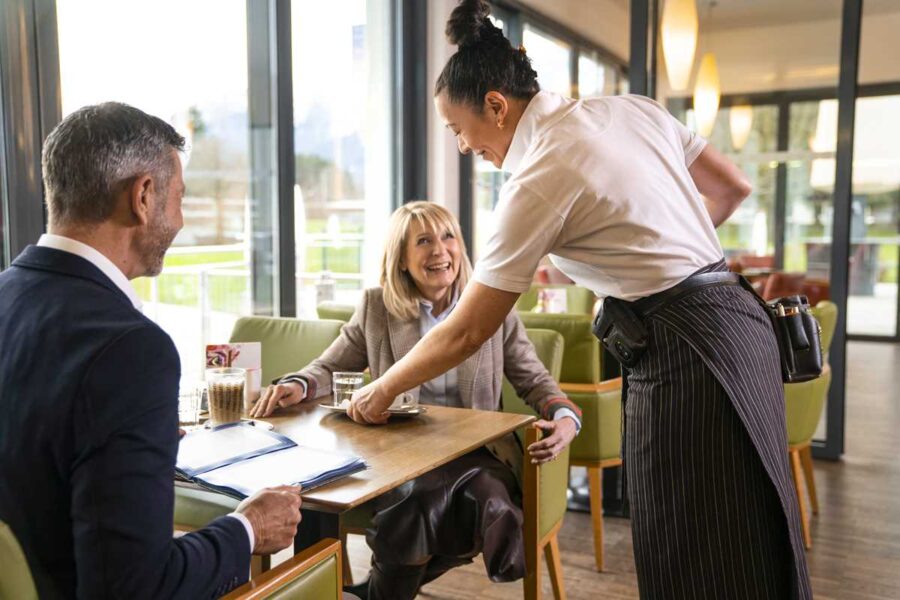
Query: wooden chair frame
point(264, 585)
point(802, 468)
point(531, 476)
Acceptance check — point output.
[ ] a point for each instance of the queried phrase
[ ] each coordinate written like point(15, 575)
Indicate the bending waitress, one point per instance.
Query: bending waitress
point(625, 200)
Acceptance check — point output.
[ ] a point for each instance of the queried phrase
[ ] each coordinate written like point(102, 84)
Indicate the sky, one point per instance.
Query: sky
point(168, 55)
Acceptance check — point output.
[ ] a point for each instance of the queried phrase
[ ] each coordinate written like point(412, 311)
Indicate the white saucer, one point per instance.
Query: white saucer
point(395, 412)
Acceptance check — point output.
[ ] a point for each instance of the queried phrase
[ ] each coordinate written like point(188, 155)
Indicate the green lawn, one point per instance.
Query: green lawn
point(227, 292)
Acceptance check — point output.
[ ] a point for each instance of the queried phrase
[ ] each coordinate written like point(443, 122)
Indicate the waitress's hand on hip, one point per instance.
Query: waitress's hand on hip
point(557, 435)
point(369, 405)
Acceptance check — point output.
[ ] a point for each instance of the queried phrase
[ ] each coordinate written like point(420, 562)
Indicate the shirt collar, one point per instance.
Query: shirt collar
point(96, 258)
point(532, 121)
point(426, 305)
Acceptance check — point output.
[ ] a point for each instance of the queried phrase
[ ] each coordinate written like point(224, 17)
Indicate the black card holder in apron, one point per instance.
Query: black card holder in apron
point(798, 333)
point(621, 332)
point(799, 339)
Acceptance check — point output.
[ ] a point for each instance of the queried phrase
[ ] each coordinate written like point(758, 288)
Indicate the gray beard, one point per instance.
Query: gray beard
point(153, 249)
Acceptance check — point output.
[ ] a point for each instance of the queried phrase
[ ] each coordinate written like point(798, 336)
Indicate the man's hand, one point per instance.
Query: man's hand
point(274, 514)
point(557, 435)
point(275, 396)
point(369, 405)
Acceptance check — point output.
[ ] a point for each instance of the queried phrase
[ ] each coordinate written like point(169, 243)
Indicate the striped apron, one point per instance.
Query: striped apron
point(714, 512)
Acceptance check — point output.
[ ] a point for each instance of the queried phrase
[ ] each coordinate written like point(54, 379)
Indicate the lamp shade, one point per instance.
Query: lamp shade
point(706, 94)
point(679, 40)
point(741, 121)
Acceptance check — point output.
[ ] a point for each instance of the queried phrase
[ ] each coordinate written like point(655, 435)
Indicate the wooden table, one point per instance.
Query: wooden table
point(396, 453)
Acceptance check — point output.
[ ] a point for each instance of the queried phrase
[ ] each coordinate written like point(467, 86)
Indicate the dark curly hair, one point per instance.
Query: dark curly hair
point(485, 59)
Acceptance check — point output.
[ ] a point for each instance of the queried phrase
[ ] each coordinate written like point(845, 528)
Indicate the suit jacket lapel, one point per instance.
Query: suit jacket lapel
point(403, 335)
point(465, 378)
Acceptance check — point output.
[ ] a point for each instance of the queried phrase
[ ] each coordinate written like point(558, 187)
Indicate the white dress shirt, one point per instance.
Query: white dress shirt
point(108, 268)
point(602, 186)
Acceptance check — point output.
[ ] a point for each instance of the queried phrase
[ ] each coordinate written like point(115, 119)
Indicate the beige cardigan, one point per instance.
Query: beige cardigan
point(376, 339)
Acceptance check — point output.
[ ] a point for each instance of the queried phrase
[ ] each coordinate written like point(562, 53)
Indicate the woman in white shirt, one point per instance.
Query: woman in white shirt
point(625, 200)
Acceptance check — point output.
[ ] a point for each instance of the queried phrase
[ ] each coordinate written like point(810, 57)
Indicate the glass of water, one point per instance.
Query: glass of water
point(189, 397)
point(343, 384)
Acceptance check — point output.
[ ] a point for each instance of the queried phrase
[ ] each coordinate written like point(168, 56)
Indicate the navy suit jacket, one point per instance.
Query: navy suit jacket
point(88, 440)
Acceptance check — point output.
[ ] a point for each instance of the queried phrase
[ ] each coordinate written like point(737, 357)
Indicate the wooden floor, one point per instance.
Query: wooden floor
point(856, 536)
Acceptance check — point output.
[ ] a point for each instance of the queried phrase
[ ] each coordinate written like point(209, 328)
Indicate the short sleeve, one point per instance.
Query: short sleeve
point(526, 229)
point(691, 141)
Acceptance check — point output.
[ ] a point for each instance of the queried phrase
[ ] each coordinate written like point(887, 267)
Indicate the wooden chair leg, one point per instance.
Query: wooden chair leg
point(259, 564)
point(345, 560)
point(595, 485)
point(798, 484)
point(554, 565)
point(806, 460)
point(531, 512)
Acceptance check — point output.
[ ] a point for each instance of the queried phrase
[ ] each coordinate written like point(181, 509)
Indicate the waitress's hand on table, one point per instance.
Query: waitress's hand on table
point(275, 396)
point(557, 435)
point(369, 405)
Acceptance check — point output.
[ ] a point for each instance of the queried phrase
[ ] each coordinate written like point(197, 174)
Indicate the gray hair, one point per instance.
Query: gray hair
point(95, 151)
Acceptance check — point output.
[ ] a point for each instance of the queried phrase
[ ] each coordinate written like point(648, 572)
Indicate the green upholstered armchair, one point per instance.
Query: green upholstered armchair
point(579, 300)
point(599, 444)
point(335, 310)
point(15, 574)
point(803, 410)
point(287, 345)
point(546, 485)
point(313, 573)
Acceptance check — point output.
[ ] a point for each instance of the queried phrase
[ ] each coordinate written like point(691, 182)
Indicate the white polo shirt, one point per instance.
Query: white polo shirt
point(602, 186)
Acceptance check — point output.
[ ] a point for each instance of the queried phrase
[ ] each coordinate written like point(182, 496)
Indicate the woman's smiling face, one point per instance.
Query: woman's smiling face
point(485, 133)
point(432, 259)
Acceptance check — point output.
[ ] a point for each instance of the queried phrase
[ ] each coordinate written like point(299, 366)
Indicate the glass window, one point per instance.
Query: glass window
point(751, 229)
point(195, 77)
point(595, 78)
point(342, 132)
point(551, 58)
point(875, 228)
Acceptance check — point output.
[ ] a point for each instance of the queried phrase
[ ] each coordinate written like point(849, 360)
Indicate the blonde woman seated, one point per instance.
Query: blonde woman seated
point(446, 517)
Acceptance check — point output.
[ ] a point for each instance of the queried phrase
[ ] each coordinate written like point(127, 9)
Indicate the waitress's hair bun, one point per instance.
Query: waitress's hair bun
point(469, 24)
point(485, 59)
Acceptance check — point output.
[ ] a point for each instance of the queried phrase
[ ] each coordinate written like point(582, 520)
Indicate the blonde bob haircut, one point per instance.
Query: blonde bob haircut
point(401, 296)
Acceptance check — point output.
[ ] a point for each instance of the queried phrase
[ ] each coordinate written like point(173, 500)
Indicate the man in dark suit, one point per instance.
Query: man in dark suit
point(89, 385)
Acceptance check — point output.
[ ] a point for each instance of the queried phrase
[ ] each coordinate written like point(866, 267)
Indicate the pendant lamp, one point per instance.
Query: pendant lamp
point(706, 94)
point(741, 121)
point(679, 40)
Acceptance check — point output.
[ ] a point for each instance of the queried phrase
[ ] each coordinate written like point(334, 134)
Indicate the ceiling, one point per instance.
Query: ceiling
point(731, 14)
